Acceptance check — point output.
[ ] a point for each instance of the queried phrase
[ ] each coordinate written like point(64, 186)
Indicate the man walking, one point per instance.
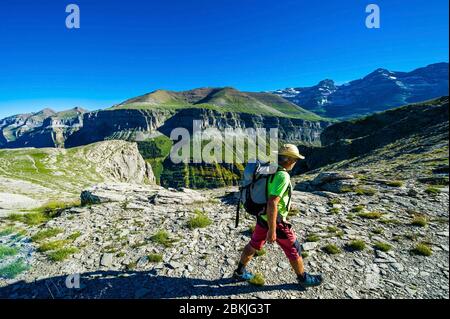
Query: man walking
point(271, 224)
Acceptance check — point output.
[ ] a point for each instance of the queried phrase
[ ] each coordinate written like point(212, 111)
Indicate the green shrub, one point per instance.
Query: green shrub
point(357, 245)
point(200, 220)
point(431, 190)
point(358, 208)
point(378, 231)
point(390, 221)
point(382, 246)
point(44, 213)
point(346, 189)
point(422, 249)
point(162, 237)
point(61, 254)
point(7, 251)
point(312, 238)
point(335, 210)
point(47, 233)
point(7, 231)
point(365, 191)
point(370, 215)
point(132, 265)
point(155, 258)
point(394, 183)
point(334, 201)
point(31, 219)
point(12, 270)
point(52, 245)
point(332, 229)
point(74, 236)
point(331, 249)
point(419, 221)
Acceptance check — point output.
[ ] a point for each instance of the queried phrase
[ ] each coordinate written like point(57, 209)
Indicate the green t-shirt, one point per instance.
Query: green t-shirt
point(279, 186)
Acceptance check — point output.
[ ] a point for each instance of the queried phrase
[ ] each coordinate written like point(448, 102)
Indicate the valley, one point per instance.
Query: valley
point(370, 206)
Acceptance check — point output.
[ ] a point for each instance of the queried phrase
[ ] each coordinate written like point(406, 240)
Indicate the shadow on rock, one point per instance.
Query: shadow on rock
point(116, 284)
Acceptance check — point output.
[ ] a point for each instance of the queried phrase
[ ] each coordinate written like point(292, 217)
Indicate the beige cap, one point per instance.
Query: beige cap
point(290, 150)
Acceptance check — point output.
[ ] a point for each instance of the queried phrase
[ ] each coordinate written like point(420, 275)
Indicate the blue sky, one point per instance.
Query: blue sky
point(127, 48)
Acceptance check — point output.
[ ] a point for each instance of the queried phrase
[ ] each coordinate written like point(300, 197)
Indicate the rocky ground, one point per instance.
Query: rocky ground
point(110, 242)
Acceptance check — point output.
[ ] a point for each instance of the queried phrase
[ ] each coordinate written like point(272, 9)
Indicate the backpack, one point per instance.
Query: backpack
point(253, 189)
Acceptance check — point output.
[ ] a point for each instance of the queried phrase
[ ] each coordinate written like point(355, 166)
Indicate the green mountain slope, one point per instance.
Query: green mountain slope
point(354, 139)
point(219, 99)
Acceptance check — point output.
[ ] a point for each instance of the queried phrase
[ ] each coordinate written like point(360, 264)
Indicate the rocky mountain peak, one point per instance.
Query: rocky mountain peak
point(380, 90)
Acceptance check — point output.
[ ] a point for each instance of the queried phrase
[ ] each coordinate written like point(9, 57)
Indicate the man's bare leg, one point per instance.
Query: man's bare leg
point(247, 254)
point(297, 265)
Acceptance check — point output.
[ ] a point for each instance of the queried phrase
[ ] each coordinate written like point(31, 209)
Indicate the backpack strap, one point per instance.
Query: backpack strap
point(282, 169)
point(288, 205)
point(238, 208)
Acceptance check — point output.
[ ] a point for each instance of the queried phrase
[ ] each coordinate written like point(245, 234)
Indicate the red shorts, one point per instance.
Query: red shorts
point(286, 239)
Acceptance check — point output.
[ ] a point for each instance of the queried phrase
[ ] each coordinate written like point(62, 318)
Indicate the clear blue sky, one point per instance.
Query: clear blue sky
point(127, 48)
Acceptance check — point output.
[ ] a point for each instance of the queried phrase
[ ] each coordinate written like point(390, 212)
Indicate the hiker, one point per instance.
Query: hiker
point(271, 224)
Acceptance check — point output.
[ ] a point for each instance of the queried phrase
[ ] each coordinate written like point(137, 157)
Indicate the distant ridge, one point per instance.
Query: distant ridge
point(225, 99)
point(378, 91)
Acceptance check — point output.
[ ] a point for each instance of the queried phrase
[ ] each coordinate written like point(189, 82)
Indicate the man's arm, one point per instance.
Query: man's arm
point(272, 212)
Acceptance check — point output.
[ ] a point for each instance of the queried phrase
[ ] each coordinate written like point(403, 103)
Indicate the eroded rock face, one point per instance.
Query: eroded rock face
point(142, 194)
point(121, 161)
point(117, 124)
point(289, 128)
point(335, 182)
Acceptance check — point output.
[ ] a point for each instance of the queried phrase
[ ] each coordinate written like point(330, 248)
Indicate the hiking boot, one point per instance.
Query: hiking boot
point(244, 276)
point(309, 280)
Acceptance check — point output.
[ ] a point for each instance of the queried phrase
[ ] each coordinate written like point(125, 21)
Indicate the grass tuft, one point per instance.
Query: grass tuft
point(334, 201)
point(7, 251)
point(30, 219)
point(47, 233)
point(44, 213)
point(370, 215)
point(52, 245)
point(312, 238)
point(356, 245)
point(7, 231)
point(61, 254)
point(419, 221)
point(385, 247)
point(200, 220)
point(155, 258)
point(394, 183)
point(335, 210)
point(431, 190)
point(163, 238)
point(331, 249)
point(365, 191)
point(378, 231)
point(358, 208)
point(74, 236)
point(12, 270)
point(422, 249)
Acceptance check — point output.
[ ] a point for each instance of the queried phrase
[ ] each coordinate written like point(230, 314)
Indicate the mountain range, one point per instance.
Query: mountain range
point(378, 91)
point(161, 111)
point(300, 114)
